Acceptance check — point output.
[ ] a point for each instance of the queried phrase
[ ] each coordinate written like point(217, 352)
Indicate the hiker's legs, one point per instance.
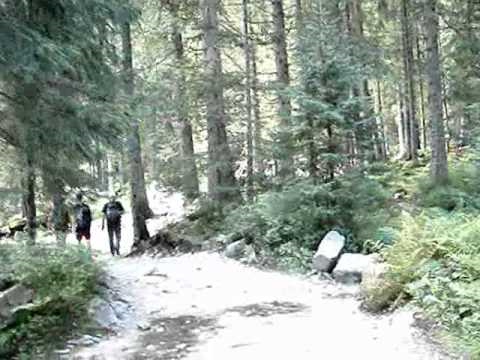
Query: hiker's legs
point(86, 234)
point(111, 230)
point(118, 235)
point(87, 239)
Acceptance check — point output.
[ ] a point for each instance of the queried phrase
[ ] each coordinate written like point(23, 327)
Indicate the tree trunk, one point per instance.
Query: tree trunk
point(279, 40)
point(402, 141)
point(258, 126)
point(366, 133)
point(221, 178)
point(439, 165)
point(381, 123)
point(189, 167)
point(409, 72)
point(28, 199)
point(421, 89)
point(248, 96)
point(139, 202)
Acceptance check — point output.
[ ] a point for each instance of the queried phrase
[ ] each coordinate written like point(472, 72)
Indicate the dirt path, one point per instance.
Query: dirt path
point(205, 307)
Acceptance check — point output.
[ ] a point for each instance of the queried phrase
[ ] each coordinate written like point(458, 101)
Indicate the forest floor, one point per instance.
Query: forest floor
point(205, 307)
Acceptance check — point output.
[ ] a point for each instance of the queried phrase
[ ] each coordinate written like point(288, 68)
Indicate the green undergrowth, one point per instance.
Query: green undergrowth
point(288, 224)
point(435, 262)
point(64, 281)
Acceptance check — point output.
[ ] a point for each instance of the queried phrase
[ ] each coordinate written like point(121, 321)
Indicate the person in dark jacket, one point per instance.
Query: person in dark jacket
point(83, 220)
point(112, 213)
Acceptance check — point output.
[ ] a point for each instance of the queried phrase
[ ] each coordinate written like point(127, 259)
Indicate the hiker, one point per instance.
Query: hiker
point(61, 221)
point(83, 220)
point(112, 212)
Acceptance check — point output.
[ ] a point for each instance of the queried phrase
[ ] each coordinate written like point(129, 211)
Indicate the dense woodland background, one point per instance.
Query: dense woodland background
point(287, 118)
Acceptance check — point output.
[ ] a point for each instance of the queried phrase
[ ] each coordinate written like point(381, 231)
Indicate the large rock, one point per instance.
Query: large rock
point(328, 252)
point(351, 267)
point(102, 313)
point(12, 301)
point(236, 250)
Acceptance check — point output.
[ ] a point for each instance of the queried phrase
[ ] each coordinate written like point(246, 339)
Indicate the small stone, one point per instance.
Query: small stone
point(62, 352)
point(150, 348)
point(143, 326)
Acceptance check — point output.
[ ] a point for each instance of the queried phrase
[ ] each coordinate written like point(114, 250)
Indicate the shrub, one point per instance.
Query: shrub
point(462, 190)
point(64, 281)
point(301, 214)
point(436, 262)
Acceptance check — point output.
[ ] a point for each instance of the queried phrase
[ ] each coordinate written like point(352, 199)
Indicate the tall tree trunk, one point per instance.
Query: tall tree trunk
point(421, 88)
point(248, 96)
point(139, 202)
point(381, 122)
point(221, 178)
point(402, 141)
point(258, 126)
point(446, 115)
point(366, 133)
point(29, 208)
point(279, 39)
point(409, 74)
point(189, 167)
point(439, 165)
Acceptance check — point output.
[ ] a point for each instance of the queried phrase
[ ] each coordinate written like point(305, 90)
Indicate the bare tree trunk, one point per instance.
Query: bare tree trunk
point(420, 60)
point(331, 150)
point(402, 141)
point(446, 116)
point(221, 179)
point(409, 72)
point(439, 164)
point(139, 201)
point(258, 126)
point(189, 167)
point(28, 199)
point(248, 96)
point(381, 123)
point(283, 81)
point(366, 133)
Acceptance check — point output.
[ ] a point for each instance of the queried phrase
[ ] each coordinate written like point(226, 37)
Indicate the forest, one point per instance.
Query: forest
point(280, 120)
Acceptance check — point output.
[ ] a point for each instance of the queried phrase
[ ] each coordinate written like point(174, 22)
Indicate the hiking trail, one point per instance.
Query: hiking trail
point(204, 307)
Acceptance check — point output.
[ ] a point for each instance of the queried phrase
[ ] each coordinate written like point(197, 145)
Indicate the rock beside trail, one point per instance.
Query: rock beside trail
point(12, 301)
point(351, 267)
point(328, 252)
point(240, 250)
point(236, 250)
point(102, 312)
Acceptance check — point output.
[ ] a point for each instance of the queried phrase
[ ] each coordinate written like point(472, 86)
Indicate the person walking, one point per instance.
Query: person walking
point(83, 220)
point(112, 213)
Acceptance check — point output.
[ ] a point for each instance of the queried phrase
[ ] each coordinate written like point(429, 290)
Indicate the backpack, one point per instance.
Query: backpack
point(83, 216)
point(113, 214)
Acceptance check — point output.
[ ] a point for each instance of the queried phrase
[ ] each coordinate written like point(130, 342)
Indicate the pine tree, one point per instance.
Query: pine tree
point(221, 179)
point(439, 168)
